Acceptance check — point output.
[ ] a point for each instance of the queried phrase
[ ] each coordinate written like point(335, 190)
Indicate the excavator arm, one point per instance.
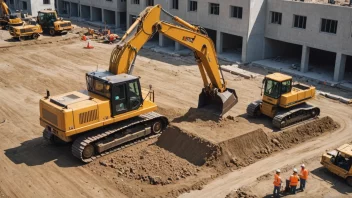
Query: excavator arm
point(4, 8)
point(215, 93)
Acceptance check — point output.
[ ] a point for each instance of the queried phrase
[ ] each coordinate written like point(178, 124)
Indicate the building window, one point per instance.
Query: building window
point(236, 12)
point(214, 8)
point(24, 5)
point(276, 17)
point(11, 2)
point(150, 2)
point(300, 21)
point(46, 1)
point(134, 1)
point(174, 4)
point(329, 26)
point(123, 1)
point(193, 6)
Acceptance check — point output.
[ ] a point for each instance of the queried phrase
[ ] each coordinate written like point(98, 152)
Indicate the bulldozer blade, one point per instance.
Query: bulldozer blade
point(220, 103)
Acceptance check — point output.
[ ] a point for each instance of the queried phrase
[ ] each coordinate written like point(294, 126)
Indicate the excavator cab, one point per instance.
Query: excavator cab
point(123, 90)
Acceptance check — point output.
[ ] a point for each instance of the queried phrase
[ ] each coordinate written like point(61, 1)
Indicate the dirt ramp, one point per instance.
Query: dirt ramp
point(187, 146)
point(245, 149)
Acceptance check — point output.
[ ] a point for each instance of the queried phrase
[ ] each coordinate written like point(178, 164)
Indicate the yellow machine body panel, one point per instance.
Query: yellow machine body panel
point(63, 26)
point(296, 96)
point(83, 113)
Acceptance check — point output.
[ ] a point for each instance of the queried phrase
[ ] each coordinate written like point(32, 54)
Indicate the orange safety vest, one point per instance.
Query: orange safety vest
point(304, 174)
point(293, 180)
point(277, 180)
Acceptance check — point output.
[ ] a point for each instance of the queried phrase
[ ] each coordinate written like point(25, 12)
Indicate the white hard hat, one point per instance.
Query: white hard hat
point(295, 170)
point(303, 165)
point(278, 171)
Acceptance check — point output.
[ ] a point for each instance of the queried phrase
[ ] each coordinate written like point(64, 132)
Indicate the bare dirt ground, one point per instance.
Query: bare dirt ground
point(32, 168)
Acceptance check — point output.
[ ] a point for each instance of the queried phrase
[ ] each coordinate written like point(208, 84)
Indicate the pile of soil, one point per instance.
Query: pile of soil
point(293, 136)
point(151, 164)
point(246, 149)
point(187, 146)
point(241, 193)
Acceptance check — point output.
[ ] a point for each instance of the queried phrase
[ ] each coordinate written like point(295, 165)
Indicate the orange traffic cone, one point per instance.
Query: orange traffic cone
point(89, 46)
point(84, 38)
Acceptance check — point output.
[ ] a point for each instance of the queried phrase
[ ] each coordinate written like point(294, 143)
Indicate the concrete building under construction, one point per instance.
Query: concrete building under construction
point(313, 35)
point(111, 12)
point(30, 7)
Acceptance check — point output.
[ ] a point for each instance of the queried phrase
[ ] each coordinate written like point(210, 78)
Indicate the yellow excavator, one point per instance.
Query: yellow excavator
point(284, 101)
point(9, 18)
point(113, 113)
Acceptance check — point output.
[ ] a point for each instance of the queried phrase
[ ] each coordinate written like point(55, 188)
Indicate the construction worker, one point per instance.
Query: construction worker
point(303, 177)
point(277, 184)
point(294, 181)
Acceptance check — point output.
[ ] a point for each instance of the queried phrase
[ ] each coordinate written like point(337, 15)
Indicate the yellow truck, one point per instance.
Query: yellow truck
point(51, 23)
point(339, 162)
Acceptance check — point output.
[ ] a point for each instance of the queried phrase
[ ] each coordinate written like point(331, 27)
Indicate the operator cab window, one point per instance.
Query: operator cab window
point(286, 86)
point(135, 98)
point(119, 99)
point(272, 88)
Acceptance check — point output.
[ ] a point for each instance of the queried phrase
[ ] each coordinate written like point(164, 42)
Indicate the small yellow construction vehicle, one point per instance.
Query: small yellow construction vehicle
point(339, 162)
point(112, 112)
point(284, 101)
point(50, 22)
point(30, 31)
point(8, 17)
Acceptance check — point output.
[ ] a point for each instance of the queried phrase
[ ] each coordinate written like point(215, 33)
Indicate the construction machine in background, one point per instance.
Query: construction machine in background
point(52, 24)
point(32, 30)
point(339, 162)
point(8, 17)
point(284, 101)
point(112, 112)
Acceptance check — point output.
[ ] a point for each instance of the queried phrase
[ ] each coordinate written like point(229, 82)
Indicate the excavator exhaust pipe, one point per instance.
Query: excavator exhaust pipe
point(220, 103)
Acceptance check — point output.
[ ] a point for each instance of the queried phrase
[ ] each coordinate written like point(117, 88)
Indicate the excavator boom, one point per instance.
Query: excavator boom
point(215, 94)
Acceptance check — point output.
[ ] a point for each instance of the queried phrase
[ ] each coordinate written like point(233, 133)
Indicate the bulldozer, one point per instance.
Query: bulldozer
point(52, 24)
point(283, 101)
point(32, 30)
point(113, 112)
point(339, 162)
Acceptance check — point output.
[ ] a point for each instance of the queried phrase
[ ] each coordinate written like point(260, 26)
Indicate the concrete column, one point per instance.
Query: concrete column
point(339, 67)
point(91, 13)
point(305, 58)
point(117, 19)
point(69, 14)
point(164, 41)
point(219, 39)
point(102, 15)
point(80, 10)
point(178, 46)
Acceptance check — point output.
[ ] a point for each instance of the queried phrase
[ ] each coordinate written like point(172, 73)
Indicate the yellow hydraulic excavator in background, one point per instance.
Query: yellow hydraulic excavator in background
point(284, 101)
point(113, 112)
point(8, 17)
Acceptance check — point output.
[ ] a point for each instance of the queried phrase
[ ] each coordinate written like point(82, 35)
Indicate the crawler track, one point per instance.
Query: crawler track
point(96, 135)
point(296, 115)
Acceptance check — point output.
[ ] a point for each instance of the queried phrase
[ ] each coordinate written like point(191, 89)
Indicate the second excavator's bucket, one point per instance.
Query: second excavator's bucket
point(219, 103)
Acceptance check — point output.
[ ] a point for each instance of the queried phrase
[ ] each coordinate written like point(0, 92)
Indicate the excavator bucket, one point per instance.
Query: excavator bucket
point(219, 103)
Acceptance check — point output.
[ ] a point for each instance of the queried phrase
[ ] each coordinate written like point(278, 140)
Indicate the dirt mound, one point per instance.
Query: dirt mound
point(241, 193)
point(150, 164)
point(187, 146)
point(303, 132)
point(246, 149)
